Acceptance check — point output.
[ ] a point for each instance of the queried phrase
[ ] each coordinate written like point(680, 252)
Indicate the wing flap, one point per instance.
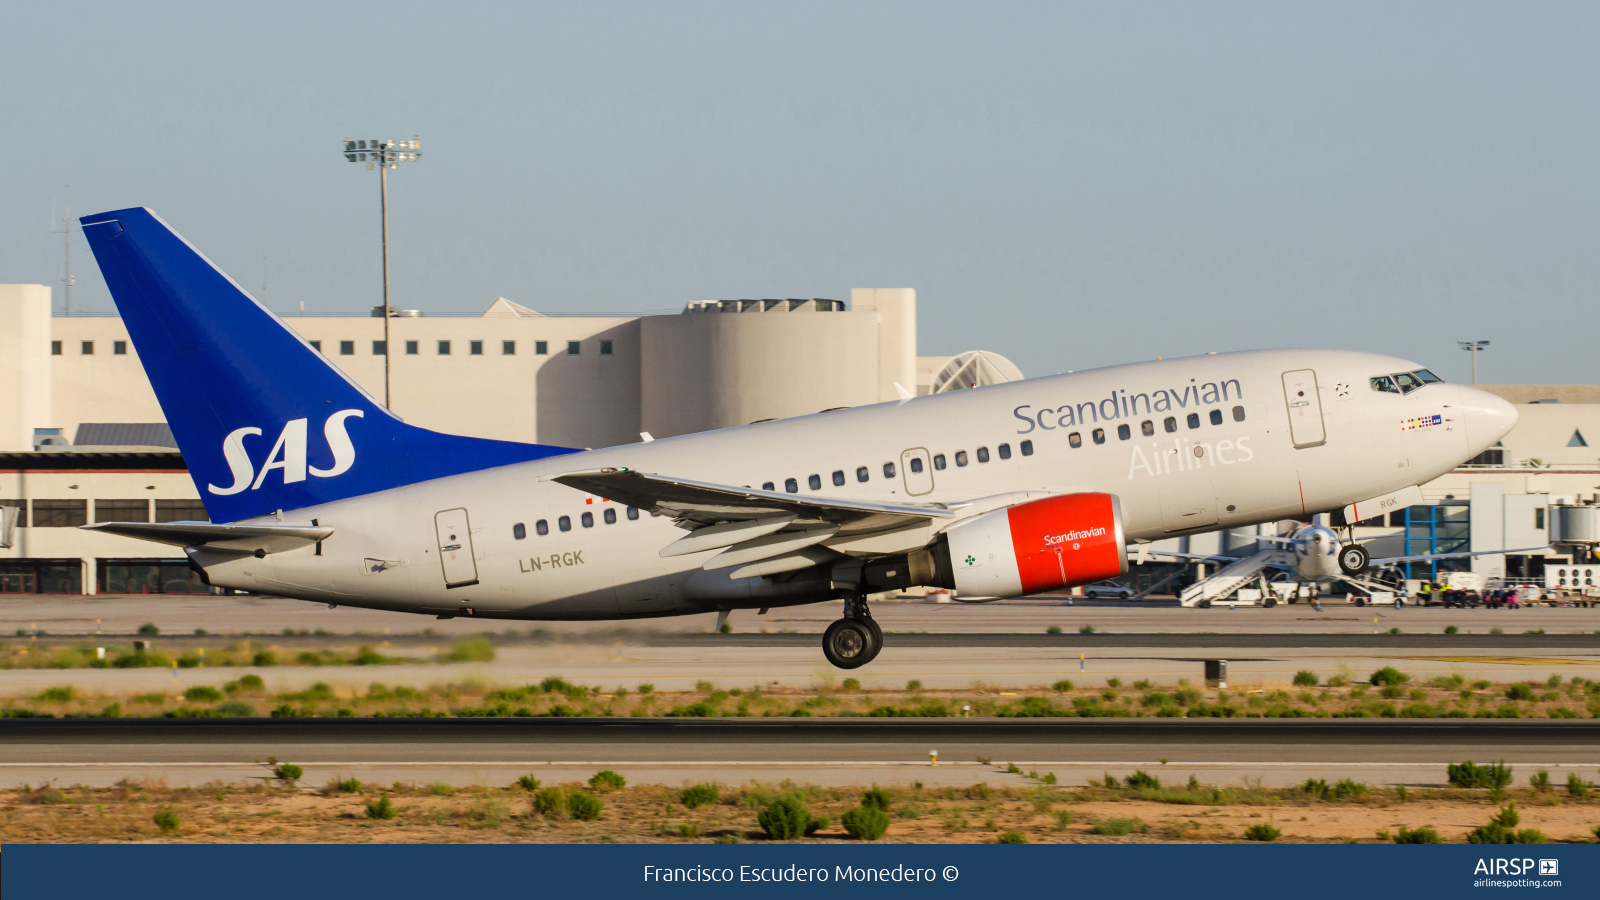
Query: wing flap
point(235, 538)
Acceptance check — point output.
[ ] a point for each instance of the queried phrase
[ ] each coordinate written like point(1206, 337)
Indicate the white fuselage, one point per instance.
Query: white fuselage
point(1251, 453)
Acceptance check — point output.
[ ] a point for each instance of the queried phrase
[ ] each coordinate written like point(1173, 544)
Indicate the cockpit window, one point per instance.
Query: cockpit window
point(1385, 384)
point(1407, 382)
point(1427, 377)
point(1404, 382)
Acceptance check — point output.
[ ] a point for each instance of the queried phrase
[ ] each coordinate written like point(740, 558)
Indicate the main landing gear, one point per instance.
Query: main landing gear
point(854, 640)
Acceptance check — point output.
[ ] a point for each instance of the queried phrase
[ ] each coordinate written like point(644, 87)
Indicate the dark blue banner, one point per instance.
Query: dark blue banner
point(391, 872)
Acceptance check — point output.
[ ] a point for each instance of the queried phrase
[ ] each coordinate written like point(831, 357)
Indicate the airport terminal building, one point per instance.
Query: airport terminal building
point(83, 439)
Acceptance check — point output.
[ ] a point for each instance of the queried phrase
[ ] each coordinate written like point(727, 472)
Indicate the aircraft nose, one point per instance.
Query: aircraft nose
point(1489, 418)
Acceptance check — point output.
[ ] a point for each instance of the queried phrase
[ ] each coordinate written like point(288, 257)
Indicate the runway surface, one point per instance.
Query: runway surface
point(837, 751)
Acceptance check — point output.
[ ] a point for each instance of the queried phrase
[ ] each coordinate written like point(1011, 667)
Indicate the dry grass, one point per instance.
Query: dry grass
point(231, 813)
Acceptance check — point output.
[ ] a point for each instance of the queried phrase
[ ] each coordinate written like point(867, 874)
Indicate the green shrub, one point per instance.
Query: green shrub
point(528, 783)
point(1261, 831)
point(201, 693)
point(382, 809)
point(877, 798)
point(149, 628)
point(550, 802)
point(166, 820)
point(1502, 830)
point(1471, 775)
point(607, 780)
point(1011, 837)
point(646, 688)
point(1063, 685)
point(288, 773)
point(1119, 827)
point(1576, 786)
point(1519, 692)
point(1305, 678)
point(57, 694)
point(235, 709)
point(583, 805)
point(699, 795)
point(865, 823)
point(1423, 835)
point(914, 685)
point(1142, 779)
point(1540, 781)
point(264, 658)
point(787, 818)
point(1316, 787)
point(1388, 675)
point(344, 786)
point(1346, 789)
point(1053, 629)
point(474, 649)
point(245, 683)
point(850, 684)
point(1451, 629)
point(1086, 629)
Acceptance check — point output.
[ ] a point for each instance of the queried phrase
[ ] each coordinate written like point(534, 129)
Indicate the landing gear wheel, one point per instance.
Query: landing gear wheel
point(877, 637)
point(850, 643)
point(1353, 559)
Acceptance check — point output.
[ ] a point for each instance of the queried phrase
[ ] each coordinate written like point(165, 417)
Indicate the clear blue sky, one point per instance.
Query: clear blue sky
point(1068, 185)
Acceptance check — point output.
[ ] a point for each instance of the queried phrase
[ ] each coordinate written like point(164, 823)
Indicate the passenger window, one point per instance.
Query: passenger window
point(1383, 384)
point(1147, 428)
point(1170, 424)
point(542, 527)
point(888, 470)
point(983, 454)
point(916, 464)
point(1238, 414)
point(1075, 440)
point(633, 513)
point(1124, 432)
point(610, 516)
point(815, 482)
point(863, 474)
point(838, 478)
point(564, 523)
point(1027, 448)
point(938, 460)
point(1194, 420)
point(1005, 451)
point(961, 458)
point(768, 486)
point(519, 531)
point(1216, 417)
point(1099, 435)
point(792, 486)
point(588, 520)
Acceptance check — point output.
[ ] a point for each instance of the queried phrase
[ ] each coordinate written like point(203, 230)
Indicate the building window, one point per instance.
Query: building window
point(1216, 417)
point(444, 348)
point(1238, 414)
point(1194, 420)
point(1075, 440)
point(541, 348)
point(181, 511)
point(1005, 451)
point(380, 348)
point(938, 461)
point(411, 348)
point(888, 470)
point(55, 348)
point(838, 478)
point(983, 454)
point(119, 348)
point(588, 520)
point(315, 345)
point(792, 486)
point(1124, 432)
point(60, 513)
point(87, 348)
point(1027, 448)
point(1577, 439)
point(633, 514)
point(564, 523)
point(541, 527)
point(508, 348)
point(1538, 518)
point(814, 482)
point(122, 510)
point(1170, 424)
point(611, 516)
point(519, 531)
point(605, 348)
point(863, 475)
point(1494, 456)
point(1099, 435)
point(347, 348)
point(475, 348)
point(1147, 428)
point(961, 458)
point(573, 348)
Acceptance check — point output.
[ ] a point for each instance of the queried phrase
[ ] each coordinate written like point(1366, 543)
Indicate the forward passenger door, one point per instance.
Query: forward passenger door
point(1306, 428)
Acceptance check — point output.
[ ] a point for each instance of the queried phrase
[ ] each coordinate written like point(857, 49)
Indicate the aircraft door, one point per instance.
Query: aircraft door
point(1306, 428)
point(455, 547)
point(917, 470)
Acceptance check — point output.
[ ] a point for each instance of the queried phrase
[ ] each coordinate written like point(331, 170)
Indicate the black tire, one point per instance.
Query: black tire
point(848, 644)
point(1122, 596)
point(877, 638)
point(1271, 602)
point(1353, 559)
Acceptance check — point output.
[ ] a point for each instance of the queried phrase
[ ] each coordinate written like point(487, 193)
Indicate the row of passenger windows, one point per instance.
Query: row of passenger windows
point(864, 474)
point(413, 348)
point(86, 348)
point(542, 527)
point(1148, 427)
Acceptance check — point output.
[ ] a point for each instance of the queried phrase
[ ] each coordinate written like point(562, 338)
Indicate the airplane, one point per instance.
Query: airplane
point(317, 492)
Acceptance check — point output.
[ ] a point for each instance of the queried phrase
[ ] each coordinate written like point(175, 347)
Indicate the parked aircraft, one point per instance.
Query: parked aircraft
point(317, 492)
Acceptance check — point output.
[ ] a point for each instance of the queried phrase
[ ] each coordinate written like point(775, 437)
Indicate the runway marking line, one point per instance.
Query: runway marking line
point(1169, 764)
point(1505, 660)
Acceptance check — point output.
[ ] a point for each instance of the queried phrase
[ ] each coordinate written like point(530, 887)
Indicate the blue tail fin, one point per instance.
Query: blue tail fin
point(264, 422)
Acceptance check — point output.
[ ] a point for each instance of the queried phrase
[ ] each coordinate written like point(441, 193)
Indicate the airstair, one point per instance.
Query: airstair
point(1227, 580)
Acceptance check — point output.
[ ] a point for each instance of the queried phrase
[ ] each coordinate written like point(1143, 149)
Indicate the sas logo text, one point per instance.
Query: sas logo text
point(287, 455)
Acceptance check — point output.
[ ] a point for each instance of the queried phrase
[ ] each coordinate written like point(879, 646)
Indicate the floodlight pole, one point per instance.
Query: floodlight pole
point(1473, 347)
point(384, 155)
point(383, 208)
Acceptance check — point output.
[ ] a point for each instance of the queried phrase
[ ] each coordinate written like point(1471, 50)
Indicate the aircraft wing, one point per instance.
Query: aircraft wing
point(1202, 557)
point(1392, 560)
point(236, 538)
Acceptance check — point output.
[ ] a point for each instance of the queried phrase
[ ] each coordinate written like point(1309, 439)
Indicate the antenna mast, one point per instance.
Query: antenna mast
point(66, 255)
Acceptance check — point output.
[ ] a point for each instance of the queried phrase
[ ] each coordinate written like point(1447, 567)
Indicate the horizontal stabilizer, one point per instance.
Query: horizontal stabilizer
point(261, 539)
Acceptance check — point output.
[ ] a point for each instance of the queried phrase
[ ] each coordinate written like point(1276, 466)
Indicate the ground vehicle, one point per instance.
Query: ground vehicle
point(1107, 589)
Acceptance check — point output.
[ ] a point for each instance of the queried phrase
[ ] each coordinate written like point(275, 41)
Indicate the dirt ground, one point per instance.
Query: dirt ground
point(270, 810)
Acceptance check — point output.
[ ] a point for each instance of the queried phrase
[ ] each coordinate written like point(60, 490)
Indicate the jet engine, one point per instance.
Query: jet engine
point(1042, 545)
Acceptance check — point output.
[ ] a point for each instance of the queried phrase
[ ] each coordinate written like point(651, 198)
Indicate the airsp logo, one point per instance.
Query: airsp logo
point(288, 454)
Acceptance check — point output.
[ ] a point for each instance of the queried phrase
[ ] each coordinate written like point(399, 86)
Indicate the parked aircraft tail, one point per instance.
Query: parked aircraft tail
point(263, 420)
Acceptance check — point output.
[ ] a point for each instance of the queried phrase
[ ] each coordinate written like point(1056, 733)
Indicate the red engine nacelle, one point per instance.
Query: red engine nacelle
point(1038, 546)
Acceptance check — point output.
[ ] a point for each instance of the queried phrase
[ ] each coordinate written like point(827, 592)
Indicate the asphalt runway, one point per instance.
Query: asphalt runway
point(836, 752)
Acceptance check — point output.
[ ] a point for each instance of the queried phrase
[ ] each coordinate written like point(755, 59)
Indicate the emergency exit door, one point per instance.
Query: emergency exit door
point(455, 548)
point(1305, 409)
point(917, 470)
